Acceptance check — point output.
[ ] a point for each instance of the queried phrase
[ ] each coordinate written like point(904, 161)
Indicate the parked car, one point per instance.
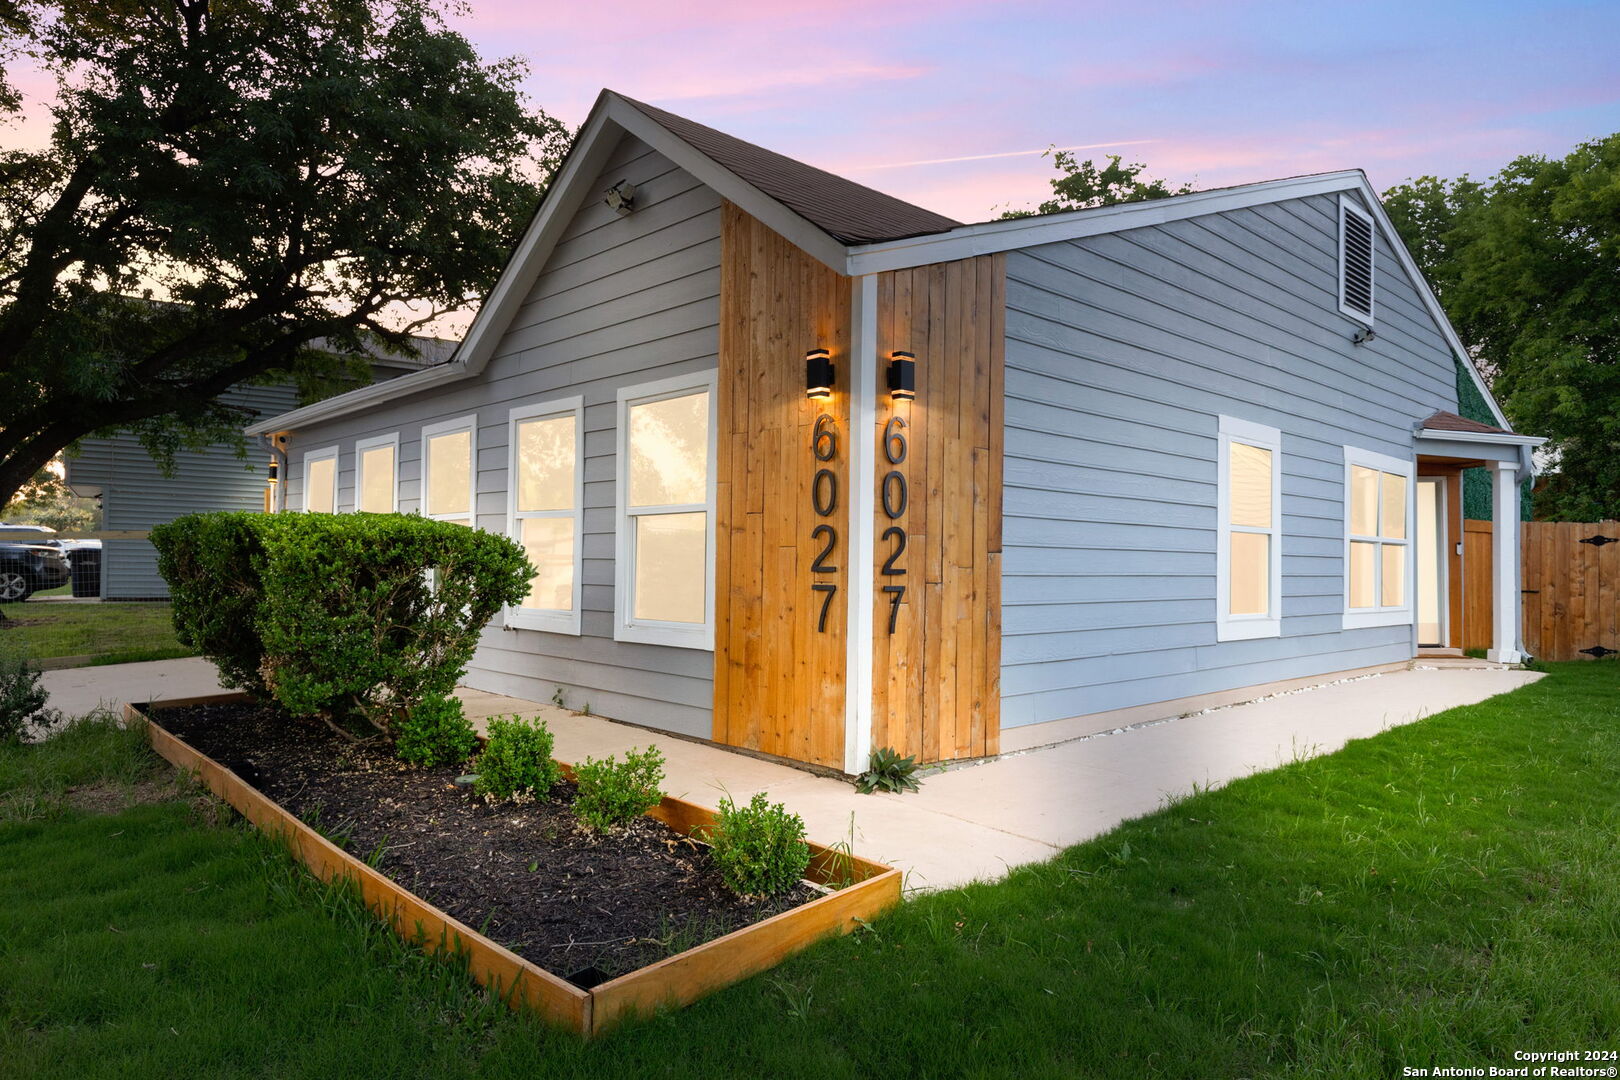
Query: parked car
point(27, 568)
point(83, 556)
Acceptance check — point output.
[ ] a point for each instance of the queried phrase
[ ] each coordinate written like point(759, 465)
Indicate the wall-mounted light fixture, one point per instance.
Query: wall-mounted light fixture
point(1362, 336)
point(902, 376)
point(818, 374)
point(274, 471)
point(621, 197)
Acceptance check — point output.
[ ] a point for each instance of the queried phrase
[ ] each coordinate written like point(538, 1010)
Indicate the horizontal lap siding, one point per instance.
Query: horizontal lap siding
point(622, 301)
point(1122, 352)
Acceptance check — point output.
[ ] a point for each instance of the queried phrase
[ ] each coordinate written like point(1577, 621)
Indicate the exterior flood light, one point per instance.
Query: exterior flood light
point(818, 374)
point(902, 376)
point(621, 197)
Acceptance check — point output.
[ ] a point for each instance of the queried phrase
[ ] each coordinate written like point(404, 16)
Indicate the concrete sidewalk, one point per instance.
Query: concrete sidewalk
point(967, 822)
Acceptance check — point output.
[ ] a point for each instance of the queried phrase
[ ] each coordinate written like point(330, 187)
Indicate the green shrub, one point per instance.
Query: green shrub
point(22, 699)
point(760, 847)
point(611, 793)
point(334, 615)
point(435, 732)
point(516, 762)
point(886, 770)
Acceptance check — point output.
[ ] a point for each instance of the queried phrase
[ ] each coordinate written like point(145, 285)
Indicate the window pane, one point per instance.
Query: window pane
point(1363, 575)
point(669, 451)
point(1394, 587)
point(377, 480)
point(1251, 573)
point(448, 460)
point(546, 464)
point(1250, 485)
point(1394, 499)
point(319, 496)
point(549, 544)
point(1363, 501)
point(671, 567)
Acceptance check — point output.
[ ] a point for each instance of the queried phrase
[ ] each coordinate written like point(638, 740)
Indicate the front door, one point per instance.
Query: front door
point(1430, 552)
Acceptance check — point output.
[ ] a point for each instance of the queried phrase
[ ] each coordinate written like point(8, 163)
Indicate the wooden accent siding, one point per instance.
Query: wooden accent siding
point(1477, 593)
point(778, 683)
point(937, 679)
point(1570, 589)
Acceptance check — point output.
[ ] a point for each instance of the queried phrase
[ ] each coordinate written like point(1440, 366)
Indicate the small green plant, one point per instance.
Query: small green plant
point(435, 732)
point(22, 698)
point(516, 762)
point(759, 848)
point(557, 699)
point(612, 793)
point(886, 770)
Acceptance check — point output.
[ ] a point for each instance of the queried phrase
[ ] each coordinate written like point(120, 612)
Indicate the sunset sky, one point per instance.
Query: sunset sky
point(948, 103)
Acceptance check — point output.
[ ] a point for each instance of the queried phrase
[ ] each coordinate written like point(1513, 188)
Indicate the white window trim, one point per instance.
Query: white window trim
point(1406, 614)
point(1347, 205)
point(1229, 627)
point(626, 628)
point(468, 424)
point(360, 448)
point(323, 454)
point(522, 618)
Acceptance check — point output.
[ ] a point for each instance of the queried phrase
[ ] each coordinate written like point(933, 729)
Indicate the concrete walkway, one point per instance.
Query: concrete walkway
point(968, 822)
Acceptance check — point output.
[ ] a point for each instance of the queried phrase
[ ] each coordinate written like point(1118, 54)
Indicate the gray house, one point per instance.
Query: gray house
point(806, 469)
point(135, 495)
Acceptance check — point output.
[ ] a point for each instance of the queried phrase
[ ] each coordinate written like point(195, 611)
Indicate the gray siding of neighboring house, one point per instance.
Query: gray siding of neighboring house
point(1122, 352)
point(136, 496)
point(622, 301)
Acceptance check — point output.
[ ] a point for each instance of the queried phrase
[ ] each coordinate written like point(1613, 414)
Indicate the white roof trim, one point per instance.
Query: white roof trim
point(1489, 437)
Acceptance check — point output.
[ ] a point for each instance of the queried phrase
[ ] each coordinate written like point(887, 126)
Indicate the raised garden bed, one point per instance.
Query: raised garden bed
point(581, 928)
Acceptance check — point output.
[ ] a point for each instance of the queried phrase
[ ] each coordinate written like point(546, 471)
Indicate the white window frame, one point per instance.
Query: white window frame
point(1229, 627)
point(1347, 206)
point(323, 454)
point(1406, 614)
point(360, 448)
point(522, 618)
point(468, 424)
point(625, 626)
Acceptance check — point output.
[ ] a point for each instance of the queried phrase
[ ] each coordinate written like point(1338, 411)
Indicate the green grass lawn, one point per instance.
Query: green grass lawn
point(109, 633)
point(1443, 894)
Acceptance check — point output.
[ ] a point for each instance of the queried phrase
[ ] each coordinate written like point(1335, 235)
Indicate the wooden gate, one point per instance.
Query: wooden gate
point(1571, 579)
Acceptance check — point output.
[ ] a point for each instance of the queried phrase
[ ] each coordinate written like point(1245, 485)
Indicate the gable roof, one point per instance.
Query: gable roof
point(1450, 421)
point(852, 229)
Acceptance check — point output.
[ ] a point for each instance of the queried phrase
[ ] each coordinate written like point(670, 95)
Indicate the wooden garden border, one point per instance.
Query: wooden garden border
point(674, 981)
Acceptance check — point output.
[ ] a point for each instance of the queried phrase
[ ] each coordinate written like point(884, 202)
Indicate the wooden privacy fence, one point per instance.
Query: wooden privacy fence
point(1571, 588)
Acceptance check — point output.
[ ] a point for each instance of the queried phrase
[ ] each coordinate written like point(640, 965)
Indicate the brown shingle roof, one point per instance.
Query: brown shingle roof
point(845, 210)
point(1447, 421)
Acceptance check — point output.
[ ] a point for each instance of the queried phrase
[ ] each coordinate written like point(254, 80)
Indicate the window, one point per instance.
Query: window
point(376, 464)
point(665, 566)
point(1377, 546)
point(1356, 236)
point(320, 481)
point(449, 449)
point(545, 493)
point(1248, 577)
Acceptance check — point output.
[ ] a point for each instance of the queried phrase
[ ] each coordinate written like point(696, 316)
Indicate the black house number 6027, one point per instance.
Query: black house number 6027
point(894, 497)
point(824, 500)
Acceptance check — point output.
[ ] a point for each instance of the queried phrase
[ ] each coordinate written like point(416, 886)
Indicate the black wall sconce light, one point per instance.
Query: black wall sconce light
point(621, 197)
point(818, 374)
point(1362, 336)
point(902, 376)
point(275, 472)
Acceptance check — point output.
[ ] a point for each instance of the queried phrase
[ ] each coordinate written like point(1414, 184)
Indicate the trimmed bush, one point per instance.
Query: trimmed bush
point(435, 732)
point(613, 793)
point(22, 698)
point(760, 847)
point(516, 762)
point(336, 615)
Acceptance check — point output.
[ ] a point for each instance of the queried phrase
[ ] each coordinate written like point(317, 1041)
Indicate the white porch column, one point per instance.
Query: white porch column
point(1506, 601)
point(863, 391)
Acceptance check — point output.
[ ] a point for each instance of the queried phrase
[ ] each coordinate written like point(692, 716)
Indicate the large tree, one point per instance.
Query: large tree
point(1081, 185)
point(1527, 265)
point(229, 181)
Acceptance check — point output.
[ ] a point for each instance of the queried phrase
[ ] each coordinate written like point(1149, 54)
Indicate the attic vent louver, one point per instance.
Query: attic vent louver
point(1355, 261)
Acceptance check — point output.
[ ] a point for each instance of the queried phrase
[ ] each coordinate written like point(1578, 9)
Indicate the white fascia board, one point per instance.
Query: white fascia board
point(358, 399)
point(728, 185)
point(1489, 437)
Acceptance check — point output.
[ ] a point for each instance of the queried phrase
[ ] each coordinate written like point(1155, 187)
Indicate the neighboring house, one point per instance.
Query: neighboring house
point(1050, 475)
point(135, 495)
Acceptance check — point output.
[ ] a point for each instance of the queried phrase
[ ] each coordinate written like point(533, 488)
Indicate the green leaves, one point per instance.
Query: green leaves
point(888, 771)
point(516, 762)
point(1083, 186)
point(435, 732)
point(759, 848)
point(612, 793)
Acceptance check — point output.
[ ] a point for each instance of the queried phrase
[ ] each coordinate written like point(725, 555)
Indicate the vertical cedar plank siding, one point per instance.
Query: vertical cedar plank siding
point(621, 301)
point(778, 681)
point(1122, 351)
point(936, 680)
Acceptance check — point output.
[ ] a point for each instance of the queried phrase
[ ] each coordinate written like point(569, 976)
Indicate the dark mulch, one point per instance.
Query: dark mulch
point(527, 876)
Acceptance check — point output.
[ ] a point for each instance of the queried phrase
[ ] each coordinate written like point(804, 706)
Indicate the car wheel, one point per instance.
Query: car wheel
point(15, 586)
